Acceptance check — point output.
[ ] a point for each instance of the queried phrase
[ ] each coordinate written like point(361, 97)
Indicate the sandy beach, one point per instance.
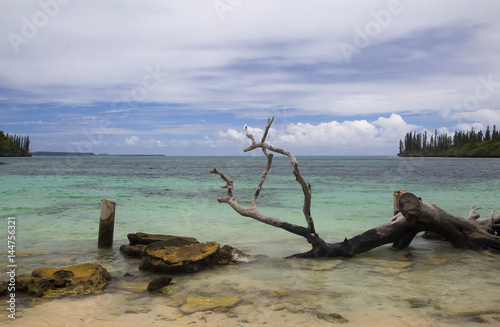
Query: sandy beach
point(114, 309)
point(93, 311)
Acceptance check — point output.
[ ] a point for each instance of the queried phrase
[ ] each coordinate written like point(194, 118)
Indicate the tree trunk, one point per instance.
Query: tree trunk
point(415, 216)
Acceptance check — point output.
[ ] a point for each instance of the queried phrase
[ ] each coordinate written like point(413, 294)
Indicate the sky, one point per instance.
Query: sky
point(184, 77)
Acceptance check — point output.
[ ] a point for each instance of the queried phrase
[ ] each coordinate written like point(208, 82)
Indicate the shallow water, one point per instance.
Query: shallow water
point(56, 203)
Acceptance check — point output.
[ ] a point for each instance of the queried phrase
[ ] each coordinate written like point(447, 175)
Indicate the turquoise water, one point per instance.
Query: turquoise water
point(56, 203)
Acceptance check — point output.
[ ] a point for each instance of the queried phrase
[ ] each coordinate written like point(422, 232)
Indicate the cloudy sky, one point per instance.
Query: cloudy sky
point(184, 77)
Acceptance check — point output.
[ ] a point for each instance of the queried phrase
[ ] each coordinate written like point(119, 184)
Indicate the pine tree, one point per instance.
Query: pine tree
point(14, 145)
point(487, 136)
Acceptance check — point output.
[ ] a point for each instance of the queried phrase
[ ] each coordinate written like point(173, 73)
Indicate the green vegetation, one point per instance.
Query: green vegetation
point(461, 144)
point(14, 146)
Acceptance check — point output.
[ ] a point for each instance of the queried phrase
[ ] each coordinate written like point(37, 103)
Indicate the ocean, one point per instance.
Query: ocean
point(56, 205)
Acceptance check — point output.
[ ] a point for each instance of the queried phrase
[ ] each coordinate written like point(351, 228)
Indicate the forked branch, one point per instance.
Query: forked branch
point(306, 188)
point(252, 212)
point(309, 233)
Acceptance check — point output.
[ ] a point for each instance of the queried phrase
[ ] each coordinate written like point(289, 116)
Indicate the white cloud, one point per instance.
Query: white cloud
point(355, 133)
point(132, 140)
point(392, 128)
point(263, 54)
point(469, 126)
point(152, 143)
point(232, 133)
point(358, 135)
point(478, 119)
point(148, 143)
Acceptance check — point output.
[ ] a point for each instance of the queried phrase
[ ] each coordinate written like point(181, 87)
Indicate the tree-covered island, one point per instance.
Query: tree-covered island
point(14, 145)
point(462, 144)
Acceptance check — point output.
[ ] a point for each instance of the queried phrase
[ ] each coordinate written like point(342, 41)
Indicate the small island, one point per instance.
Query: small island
point(462, 144)
point(14, 145)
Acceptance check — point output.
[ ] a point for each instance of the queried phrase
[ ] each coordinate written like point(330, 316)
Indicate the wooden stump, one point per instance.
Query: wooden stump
point(106, 224)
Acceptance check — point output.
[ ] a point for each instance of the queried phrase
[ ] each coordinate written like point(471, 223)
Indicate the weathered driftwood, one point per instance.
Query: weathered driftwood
point(106, 224)
point(415, 216)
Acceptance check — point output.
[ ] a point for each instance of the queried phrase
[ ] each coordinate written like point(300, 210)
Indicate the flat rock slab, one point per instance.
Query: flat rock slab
point(145, 238)
point(76, 280)
point(201, 303)
point(173, 254)
point(170, 259)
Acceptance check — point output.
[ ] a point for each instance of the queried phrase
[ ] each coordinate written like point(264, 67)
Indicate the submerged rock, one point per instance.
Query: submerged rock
point(418, 303)
point(314, 265)
point(135, 251)
point(387, 263)
point(159, 283)
point(76, 280)
point(201, 303)
point(227, 255)
point(280, 293)
point(138, 310)
point(170, 259)
point(146, 239)
point(332, 317)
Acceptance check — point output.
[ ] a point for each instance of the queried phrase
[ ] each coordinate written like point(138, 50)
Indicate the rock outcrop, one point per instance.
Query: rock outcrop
point(53, 282)
point(139, 242)
point(173, 254)
point(171, 259)
point(145, 238)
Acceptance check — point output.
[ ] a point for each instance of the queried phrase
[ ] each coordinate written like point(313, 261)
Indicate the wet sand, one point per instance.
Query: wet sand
point(86, 312)
point(108, 310)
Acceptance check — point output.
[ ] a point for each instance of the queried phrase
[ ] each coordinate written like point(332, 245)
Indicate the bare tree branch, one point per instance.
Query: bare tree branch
point(309, 233)
point(415, 216)
point(473, 215)
point(306, 188)
point(262, 179)
point(252, 212)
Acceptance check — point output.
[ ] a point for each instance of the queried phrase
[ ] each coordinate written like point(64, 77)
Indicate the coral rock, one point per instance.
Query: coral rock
point(171, 259)
point(77, 280)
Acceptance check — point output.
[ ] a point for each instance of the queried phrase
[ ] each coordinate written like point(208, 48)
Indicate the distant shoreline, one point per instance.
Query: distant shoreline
point(14, 155)
point(89, 154)
point(420, 155)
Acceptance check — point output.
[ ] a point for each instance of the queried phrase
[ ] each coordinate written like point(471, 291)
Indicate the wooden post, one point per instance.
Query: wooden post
point(106, 224)
point(396, 195)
